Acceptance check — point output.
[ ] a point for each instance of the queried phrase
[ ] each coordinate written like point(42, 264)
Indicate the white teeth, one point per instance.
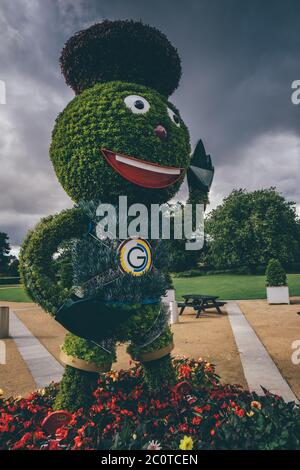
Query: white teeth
point(148, 166)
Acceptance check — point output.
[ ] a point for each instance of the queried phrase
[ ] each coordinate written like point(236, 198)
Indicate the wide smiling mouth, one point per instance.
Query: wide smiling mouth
point(141, 172)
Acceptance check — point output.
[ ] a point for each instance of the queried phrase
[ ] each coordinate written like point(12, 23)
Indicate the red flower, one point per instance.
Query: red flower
point(23, 441)
point(240, 412)
point(78, 442)
point(196, 420)
point(61, 433)
point(198, 410)
point(53, 445)
point(184, 371)
point(183, 428)
point(140, 409)
point(207, 407)
point(126, 412)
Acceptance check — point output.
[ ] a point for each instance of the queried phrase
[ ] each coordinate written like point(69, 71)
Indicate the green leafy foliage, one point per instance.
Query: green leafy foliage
point(105, 64)
point(128, 51)
point(98, 118)
point(158, 372)
point(37, 266)
point(250, 228)
point(75, 389)
point(87, 350)
point(276, 275)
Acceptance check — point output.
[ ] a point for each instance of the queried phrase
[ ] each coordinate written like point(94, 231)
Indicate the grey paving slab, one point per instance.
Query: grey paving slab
point(259, 368)
point(42, 365)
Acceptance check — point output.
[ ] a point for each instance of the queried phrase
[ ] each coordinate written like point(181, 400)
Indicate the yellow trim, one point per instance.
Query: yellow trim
point(158, 354)
point(83, 365)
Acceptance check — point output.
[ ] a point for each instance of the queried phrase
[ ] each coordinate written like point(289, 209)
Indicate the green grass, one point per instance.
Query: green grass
point(13, 294)
point(226, 286)
point(230, 286)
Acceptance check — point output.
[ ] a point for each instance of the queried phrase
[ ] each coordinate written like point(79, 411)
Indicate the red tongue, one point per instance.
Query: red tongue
point(140, 176)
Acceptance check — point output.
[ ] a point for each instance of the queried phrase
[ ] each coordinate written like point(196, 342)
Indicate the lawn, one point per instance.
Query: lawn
point(13, 294)
point(226, 286)
point(230, 286)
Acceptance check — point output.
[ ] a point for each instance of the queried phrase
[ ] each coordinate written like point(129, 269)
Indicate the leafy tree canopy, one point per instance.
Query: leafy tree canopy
point(250, 228)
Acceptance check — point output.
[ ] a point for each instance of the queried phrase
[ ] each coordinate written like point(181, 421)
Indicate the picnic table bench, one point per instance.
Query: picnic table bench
point(200, 303)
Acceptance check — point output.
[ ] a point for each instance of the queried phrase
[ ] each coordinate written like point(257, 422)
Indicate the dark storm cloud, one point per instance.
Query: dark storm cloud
point(239, 60)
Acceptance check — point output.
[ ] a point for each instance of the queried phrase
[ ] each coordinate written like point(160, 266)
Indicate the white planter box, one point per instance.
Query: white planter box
point(278, 295)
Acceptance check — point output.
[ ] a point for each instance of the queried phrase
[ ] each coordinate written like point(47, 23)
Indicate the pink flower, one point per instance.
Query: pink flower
point(154, 445)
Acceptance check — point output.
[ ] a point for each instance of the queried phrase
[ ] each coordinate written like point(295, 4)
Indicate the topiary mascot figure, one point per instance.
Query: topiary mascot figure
point(119, 136)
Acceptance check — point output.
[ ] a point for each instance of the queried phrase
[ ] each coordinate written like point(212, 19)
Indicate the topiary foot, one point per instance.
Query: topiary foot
point(76, 389)
point(158, 372)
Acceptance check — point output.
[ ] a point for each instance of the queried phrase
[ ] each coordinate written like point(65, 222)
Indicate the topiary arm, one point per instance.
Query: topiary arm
point(200, 175)
point(36, 257)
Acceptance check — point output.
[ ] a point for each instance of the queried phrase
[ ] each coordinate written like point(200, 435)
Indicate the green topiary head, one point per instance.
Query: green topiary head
point(120, 135)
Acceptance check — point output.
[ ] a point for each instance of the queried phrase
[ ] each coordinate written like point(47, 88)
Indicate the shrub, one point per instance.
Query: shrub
point(9, 280)
point(275, 273)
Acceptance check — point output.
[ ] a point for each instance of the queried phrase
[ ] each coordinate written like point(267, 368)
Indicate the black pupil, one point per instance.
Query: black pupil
point(139, 104)
point(176, 118)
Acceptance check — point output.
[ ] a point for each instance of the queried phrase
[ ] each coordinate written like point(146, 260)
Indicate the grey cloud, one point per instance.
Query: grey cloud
point(239, 60)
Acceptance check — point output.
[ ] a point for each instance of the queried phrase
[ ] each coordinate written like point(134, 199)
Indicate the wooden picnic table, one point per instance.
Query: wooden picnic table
point(200, 303)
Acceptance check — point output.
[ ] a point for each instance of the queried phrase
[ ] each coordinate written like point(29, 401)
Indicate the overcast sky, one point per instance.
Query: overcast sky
point(239, 59)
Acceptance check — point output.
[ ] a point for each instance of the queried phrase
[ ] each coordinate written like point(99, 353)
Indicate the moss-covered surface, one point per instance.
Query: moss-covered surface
point(37, 270)
point(87, 350)
point(98, 118)
point(159, 372)
point(76, 389)
point(121, 50)
point(106, 64)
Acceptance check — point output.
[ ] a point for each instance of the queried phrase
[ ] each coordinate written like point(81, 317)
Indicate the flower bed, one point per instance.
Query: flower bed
point(198, 413)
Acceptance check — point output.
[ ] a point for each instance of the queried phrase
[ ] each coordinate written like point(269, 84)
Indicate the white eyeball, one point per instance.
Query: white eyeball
point(137, 104)
point(174, 118)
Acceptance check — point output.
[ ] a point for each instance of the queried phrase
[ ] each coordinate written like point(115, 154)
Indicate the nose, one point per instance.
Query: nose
point(160, 132)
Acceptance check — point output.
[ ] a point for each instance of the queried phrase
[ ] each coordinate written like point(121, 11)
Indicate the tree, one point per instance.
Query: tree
point(4, 252)
point(250, 228)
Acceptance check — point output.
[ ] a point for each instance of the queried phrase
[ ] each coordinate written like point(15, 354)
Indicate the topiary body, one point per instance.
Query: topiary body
point(122, 73)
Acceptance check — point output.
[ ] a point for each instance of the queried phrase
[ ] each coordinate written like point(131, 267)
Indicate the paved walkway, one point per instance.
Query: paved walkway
point(259, 368)
point(42, 365)
point(257, 365)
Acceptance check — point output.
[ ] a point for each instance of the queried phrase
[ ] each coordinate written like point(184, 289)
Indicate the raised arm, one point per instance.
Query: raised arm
point(200, 175)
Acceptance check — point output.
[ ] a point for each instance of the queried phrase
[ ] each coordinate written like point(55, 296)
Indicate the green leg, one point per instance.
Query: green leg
point(76, 389)
point(159, 371)
point(77, 385)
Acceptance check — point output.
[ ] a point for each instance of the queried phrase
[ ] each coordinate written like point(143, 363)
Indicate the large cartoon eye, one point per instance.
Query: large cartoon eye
point(173, 117)
point(137, 104)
